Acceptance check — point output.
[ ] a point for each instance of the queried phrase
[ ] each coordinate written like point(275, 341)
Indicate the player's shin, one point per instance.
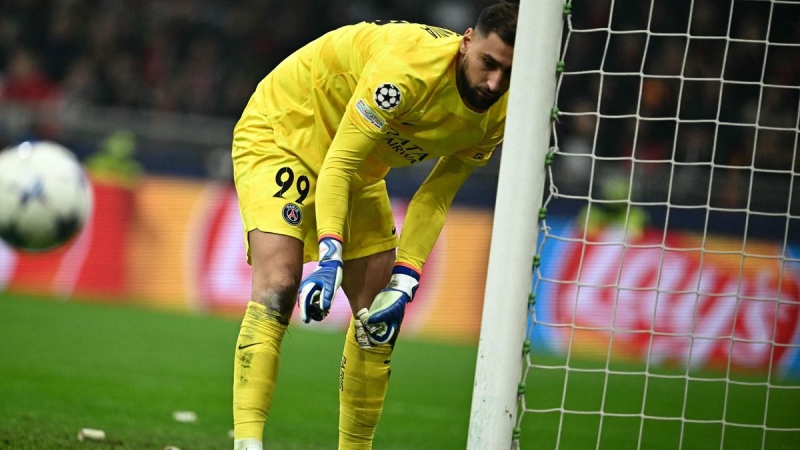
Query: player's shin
point(363, 380)
point(256, 369)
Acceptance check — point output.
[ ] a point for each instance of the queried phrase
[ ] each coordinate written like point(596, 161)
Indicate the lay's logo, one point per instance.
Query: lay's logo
point(680, 300)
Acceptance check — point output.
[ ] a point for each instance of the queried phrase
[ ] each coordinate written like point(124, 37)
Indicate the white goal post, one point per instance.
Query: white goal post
point(643, 288)
point(521, 176)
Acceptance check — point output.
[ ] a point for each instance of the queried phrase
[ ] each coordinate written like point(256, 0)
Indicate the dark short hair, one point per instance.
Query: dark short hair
point(500, 18)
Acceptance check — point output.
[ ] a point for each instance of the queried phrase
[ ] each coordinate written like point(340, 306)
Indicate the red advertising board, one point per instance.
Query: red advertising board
point(681, 298)
point(179, 244)
point(91, 264)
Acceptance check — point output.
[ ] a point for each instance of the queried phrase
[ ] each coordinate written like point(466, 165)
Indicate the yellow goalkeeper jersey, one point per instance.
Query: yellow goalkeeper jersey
point(373, 96)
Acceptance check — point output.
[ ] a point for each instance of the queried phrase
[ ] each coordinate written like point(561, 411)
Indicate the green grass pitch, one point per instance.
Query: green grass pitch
point(124, 369)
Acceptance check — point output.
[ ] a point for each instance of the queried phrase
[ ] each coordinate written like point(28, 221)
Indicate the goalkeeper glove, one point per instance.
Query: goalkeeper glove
point(382, 320)
point(317, 290)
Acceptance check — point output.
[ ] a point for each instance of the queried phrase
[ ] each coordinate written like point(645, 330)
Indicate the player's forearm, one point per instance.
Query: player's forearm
point(428, 209)
point(422, 226)
point(348, 150)
point(333, 187)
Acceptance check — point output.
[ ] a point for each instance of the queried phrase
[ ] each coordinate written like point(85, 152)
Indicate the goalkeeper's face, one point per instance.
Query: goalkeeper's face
point(484, 70)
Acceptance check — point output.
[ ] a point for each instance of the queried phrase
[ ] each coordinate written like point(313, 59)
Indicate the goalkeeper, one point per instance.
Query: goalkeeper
point(311, 151)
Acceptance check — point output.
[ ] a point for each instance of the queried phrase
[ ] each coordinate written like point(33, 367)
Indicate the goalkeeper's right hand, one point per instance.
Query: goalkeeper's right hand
point(317, 290)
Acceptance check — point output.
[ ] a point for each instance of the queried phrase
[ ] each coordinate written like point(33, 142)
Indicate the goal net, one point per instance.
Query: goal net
point(665, 303)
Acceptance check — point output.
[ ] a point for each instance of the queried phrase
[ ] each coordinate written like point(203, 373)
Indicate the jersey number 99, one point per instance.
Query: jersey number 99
point(285, 179)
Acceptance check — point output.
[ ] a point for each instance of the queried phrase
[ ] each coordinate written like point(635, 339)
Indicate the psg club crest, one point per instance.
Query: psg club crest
point(292, 214)
point(387, 96)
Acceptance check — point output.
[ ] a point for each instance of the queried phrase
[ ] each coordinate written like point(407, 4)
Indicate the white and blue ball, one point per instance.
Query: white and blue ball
point(45, 195)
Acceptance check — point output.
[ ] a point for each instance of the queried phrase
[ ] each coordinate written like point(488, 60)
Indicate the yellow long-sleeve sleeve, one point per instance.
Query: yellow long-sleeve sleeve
point(349, 149)
point(428, 209)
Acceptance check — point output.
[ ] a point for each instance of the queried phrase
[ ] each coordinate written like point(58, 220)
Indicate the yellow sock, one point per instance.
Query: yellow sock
point(255, 369)
point(363, 380)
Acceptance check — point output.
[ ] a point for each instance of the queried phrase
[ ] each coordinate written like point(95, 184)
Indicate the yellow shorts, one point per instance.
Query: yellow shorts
point(276, 195)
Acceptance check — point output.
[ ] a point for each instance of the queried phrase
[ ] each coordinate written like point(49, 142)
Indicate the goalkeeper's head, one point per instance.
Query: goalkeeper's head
point(500, 18)
point(485, 56)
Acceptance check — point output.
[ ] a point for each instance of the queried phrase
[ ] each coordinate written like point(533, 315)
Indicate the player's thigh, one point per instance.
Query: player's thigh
point(279, 229)
point(276, 201)
point(277, 266)
point(275, 188)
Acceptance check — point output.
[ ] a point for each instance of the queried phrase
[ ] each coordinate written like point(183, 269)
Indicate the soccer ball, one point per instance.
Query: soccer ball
point(45, 196)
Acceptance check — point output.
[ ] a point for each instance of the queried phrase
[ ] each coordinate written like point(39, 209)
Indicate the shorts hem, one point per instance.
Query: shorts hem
point(378, 247)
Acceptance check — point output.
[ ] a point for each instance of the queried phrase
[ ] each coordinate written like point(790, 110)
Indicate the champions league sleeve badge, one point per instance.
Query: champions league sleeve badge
point(387, 96)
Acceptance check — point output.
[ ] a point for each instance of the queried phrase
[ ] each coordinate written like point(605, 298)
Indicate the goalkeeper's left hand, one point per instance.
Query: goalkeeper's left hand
point(382, 320)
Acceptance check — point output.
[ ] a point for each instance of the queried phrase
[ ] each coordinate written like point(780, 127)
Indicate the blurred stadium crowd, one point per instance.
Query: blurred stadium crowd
point(190, 56)
point(204, 58)
point(746, 125)
point(175, 73)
